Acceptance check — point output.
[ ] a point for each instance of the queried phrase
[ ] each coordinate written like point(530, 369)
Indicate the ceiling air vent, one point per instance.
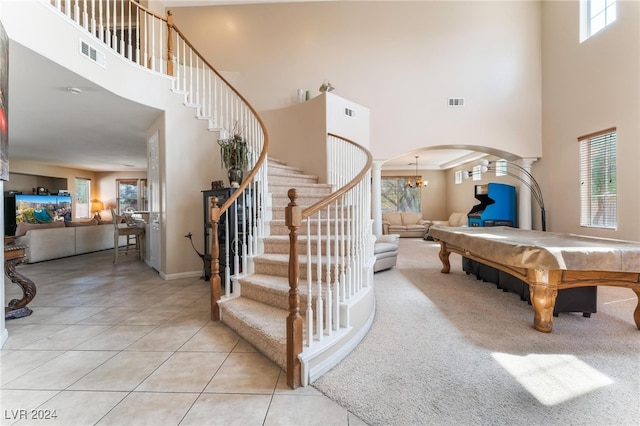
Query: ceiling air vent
point(456, 102)
point(350, 112)
point(93, 54)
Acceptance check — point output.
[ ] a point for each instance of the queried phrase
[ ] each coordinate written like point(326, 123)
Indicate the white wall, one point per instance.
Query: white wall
point(298, 136)
point(402, 60)
point(189, 154)
point(588, 87)
point(298, 133)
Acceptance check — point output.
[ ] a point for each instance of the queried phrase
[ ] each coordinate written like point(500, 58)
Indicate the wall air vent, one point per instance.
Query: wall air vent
point(350, 112)
point(456, 102)
point(93, 54)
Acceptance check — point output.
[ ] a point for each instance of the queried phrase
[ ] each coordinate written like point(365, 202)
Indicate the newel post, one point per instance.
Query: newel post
point(293, 220)
point(215, 282)
point(170, 43)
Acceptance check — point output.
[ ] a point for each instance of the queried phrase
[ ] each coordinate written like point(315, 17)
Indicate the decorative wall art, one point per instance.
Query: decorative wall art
point(4, 104)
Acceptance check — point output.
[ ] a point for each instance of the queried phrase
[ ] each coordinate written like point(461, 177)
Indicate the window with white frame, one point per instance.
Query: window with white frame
point(598, 180)
point(595, 15)
point(82, 208)
point(397, 196)
point(458, 177)
point(477, 172)
point(132, 195)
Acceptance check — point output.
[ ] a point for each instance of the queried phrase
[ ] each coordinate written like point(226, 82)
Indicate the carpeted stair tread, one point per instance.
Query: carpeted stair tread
point(302, 188)
point(279, 243)
point(284, 258)
point(259, 314)
point(289, 177)
point(303, 185)
point(272, 160)
point(263, 326)
point(283, 168)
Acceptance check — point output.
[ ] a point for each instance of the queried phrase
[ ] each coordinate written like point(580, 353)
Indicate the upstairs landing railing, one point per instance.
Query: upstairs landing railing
point(155, 43)
point(335, 267)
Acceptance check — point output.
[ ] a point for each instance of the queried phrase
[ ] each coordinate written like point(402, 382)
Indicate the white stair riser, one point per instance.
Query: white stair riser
point(278, 227)
point(292, 179)
point(303, 191)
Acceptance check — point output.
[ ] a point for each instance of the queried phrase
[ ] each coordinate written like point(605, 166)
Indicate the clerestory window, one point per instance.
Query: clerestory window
point(595, 15)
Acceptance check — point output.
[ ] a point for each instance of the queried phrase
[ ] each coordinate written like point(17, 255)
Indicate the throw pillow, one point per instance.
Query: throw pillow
point(23, 227)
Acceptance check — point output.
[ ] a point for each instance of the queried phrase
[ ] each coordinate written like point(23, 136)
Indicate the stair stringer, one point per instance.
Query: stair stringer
point(359, 314)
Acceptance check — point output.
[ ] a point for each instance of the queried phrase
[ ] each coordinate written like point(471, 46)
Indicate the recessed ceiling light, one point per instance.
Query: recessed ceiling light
point(74, 90)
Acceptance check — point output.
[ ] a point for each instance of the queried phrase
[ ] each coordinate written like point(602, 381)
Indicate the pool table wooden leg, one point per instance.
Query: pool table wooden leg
point(543, 290)
point(636, 313)
point(444, 258)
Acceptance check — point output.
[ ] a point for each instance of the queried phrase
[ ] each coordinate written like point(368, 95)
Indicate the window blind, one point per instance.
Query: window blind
point(598, 180)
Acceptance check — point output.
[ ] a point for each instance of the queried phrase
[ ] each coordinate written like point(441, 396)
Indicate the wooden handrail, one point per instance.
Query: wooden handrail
point(314, 208)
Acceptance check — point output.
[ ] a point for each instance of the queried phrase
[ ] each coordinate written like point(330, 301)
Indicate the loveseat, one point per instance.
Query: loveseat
point(53, 240)
point(405, 224)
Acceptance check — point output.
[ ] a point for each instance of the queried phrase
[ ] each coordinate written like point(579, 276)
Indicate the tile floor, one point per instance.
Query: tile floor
point(117, 345)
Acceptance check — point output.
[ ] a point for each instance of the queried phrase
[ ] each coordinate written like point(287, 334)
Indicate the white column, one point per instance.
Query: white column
point(524, 200)
point(376, 197)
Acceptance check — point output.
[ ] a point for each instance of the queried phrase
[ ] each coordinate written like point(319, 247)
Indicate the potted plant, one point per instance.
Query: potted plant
point(234, 156)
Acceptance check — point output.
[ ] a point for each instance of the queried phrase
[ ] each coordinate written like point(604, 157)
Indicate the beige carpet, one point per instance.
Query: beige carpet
point(451, 350)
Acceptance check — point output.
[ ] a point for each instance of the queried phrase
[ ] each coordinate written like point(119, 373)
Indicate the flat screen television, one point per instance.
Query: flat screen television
point(35, 209)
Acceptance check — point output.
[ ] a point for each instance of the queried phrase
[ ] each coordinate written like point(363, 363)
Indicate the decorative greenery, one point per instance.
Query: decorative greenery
point(234, 152)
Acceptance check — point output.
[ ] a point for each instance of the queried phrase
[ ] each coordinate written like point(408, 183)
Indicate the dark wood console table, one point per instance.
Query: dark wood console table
point(15, 255)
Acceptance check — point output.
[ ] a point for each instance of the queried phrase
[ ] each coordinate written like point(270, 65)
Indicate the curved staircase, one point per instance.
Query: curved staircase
point(259, 313)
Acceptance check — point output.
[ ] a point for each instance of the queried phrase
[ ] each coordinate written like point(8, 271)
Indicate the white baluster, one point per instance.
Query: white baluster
point(100, 20)
point(309, 314)
point(129, 47)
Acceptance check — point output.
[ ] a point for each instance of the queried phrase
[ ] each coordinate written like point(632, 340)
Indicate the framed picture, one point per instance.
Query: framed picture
point(4, 104)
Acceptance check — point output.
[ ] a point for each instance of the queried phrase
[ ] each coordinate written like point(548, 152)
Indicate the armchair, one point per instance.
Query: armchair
point(385, 250)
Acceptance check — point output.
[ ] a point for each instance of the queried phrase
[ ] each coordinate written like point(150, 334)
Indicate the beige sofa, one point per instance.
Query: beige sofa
point(455, 219)
point(405, 224)
point(53, 242)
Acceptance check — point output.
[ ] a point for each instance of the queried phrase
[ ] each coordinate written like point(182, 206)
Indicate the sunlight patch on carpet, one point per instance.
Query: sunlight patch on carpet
point(552, 378)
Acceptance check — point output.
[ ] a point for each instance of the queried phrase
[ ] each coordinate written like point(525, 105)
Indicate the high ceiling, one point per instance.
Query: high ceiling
point(98, 131)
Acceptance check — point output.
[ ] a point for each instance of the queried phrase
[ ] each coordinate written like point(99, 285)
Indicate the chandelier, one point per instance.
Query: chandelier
point(417, 181)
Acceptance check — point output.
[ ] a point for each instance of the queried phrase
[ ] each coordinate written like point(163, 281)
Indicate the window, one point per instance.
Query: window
point(476, 174)
point(132, 194)
point(595, 15)
point(501, 168)
point(83, 196)
point(398, 197)
point(458, 177)
point(598, 180)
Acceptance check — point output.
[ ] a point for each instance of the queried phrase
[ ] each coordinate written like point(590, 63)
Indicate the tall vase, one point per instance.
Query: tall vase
point(235, 177)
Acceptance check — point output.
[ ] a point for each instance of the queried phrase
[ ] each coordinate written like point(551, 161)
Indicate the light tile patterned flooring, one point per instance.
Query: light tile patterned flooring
point(117, 345)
